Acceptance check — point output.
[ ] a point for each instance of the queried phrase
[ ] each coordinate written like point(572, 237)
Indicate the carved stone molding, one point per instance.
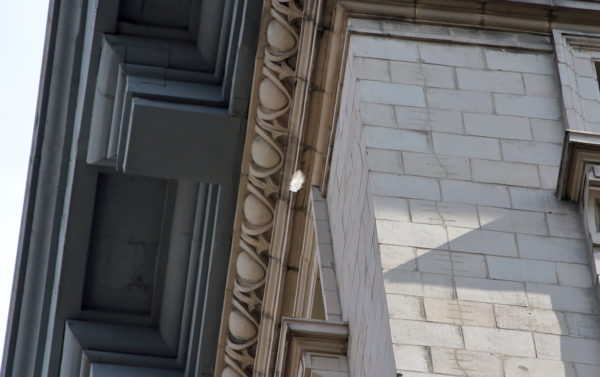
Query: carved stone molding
point(266, 140)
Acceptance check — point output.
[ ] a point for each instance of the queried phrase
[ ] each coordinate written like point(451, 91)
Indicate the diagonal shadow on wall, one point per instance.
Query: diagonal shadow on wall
point(502, 301)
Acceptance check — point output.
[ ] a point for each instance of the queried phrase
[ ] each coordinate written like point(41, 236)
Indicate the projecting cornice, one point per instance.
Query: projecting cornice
point(534, 16)
point(123, 253)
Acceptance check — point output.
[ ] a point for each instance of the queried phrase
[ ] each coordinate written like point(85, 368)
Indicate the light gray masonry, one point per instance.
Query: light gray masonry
point(447, 236)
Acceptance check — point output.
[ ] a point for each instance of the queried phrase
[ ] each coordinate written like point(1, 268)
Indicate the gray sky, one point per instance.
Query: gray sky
point(22, 30)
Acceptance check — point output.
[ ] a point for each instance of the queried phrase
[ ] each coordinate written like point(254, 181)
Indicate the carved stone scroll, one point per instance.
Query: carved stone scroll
point(273, 98)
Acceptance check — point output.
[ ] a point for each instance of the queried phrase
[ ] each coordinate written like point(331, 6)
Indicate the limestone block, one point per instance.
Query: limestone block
point(401, 282)
point(538, 200)
point(463, 100)
point(434, 76)
point(549, 131)
point(518, 269)
point(323, 231)
point(442, 121)
point(512, 220)
point(528, 367)
point(583, 325)
point(548, 176)
point(466, 146)
point(392, 94)
point(405, 307)
point(531, 152)
point(490, 81)
point(591, 112)
point(568, 76)
point(584, 67)
point(459, 312)
point(475, 193)
point(438, 286)
point(404, 186)
point(530, 319)
point(371, 69)
point(395, 139)
point(527, 106)
point(506, 173)
point(377, 114)
point(545, 296)
point(491, 291)
point(434, 261)
point(482, 241)
point(413, 358)
point(414, 283)
point(430, 165)
point(453, 55)
point(412, 118)
point(575, 275)
point(426, 333)
point(552, 248)
point(506, 342)
point(332, 303)
point(457, 362)
point(502, 126)
point(328, 279)
point(398, 257)
point(384, 161)
point(514, 61)
point(320, 209)
point(586, 370)
point(411, 234)
point(587, 88)
point(566, 348)
point(471, 265)
point(390, 208)
point(326, 255)
point(441, 213)
point(384, 48)
point(541, 85)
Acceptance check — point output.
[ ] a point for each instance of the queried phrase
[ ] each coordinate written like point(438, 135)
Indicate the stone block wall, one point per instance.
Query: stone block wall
point(446, 230)
point(355, 247)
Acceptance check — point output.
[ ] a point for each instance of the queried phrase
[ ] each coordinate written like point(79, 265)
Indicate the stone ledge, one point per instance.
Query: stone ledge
point(312, 347)
point(580, 149)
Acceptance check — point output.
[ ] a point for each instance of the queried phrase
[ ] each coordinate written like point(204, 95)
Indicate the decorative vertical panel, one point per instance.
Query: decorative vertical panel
point(273, 96)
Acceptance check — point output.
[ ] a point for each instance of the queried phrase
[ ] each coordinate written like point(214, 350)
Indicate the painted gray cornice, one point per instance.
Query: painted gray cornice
point(132, 184)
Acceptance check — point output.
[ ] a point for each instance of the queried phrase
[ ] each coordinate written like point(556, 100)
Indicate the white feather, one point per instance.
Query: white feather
point(297, 181)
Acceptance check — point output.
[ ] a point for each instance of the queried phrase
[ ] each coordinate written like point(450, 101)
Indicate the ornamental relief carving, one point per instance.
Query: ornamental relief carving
point(264, 182)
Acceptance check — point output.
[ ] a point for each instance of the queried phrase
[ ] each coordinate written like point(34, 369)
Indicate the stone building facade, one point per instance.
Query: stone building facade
point(455, 152)
point(448, 223)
